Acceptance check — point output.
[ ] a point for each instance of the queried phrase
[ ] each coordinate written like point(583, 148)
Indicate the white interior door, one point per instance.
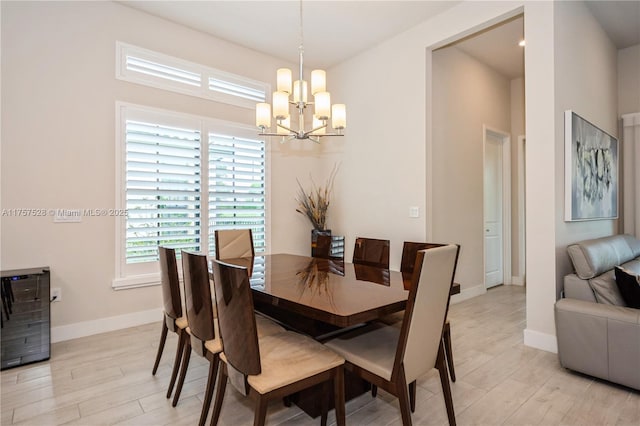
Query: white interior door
point(493, 217)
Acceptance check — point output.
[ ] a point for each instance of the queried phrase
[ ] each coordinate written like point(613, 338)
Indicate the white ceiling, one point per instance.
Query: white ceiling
point(620, 20)
point(333, 30)
point(498, 47)
point(337, 30)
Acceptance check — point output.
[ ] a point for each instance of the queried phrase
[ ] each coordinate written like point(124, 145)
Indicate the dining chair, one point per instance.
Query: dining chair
point(173, 319)
point(267, 367)
point(204, 337)
point(391, 357)
point(234, 243)
point(407, 265)
point(371, 252)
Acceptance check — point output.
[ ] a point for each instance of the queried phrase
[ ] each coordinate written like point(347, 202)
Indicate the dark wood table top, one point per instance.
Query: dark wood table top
point(332, 291)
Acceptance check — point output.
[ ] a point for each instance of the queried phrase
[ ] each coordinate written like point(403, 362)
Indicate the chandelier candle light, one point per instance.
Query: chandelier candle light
point(284, 97)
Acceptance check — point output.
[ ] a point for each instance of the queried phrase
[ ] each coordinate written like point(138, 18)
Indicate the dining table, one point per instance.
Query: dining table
point(323, 298)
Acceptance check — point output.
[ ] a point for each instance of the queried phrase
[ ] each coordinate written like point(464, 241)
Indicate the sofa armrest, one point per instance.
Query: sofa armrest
point(599, 340)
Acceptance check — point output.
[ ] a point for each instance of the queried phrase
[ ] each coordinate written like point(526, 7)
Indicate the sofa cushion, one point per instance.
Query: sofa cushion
point(605, 288)
point(629, 286)
point(593, 257)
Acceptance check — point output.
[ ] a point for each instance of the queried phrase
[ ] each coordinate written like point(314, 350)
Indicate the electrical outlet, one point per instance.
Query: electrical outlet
point(56, 294)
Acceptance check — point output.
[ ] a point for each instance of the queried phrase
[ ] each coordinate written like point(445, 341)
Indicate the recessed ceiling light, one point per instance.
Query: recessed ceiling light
point(522, 43)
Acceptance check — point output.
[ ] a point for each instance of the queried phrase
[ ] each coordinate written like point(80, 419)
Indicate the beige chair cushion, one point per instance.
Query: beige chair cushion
point(214, 346)
point(181, 322)
point(265, 327)
point(372, 347)
point(289, 357)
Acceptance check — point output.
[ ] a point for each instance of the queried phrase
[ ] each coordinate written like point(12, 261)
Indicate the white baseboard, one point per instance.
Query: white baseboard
point(468, 293)
point(103, 325)
point(538, 340)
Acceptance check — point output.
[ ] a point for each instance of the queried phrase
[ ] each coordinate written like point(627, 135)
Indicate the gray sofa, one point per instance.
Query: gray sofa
point(597, 334)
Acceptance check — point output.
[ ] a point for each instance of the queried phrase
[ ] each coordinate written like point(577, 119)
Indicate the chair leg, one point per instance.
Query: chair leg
point(183, 370)
point(222, 385)
point(338, 392)
point(326, 392)
point(412, 396)
point(446, 389)
point(261, 411)
point(403, 398)
point(446, 338)
point(163, 339)
point(182, 336)
point(374, 391)
point(211, 382)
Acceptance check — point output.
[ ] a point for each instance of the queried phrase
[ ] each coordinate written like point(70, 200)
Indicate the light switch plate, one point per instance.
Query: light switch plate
point(414, 211)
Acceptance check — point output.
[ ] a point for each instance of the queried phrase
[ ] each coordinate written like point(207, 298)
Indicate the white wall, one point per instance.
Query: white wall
point(467, 95)
point(586, 82)
point(576, 61)
point(540, 192)
point(58, 144)
point(629, 80)
point(386, 158)
point(389, 94)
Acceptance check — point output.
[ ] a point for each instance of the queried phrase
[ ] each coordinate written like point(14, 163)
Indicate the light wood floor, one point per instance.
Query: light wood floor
point(106, 379)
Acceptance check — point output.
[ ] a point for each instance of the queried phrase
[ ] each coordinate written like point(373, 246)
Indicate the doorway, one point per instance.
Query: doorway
point(477, 81)
point(497, 207)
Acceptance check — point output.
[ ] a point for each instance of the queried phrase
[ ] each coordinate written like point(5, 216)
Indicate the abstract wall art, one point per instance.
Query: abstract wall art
point(591, 171)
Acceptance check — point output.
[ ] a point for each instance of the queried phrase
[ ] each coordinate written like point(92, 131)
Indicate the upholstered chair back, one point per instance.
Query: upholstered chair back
point(198, 302)
point(426, 311)
point(236, 318)
point(170, 283)
point(234, 243)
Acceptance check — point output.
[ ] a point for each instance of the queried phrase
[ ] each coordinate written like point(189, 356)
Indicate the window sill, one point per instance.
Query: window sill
point(135, 281)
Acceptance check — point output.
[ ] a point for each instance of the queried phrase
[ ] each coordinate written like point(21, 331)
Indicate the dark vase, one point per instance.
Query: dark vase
point(314, 239)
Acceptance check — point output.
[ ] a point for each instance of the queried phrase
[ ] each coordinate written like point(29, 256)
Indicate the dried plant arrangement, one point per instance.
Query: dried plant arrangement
point(314, 203)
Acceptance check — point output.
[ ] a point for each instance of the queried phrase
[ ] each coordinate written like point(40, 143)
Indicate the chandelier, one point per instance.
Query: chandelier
point(284, 99)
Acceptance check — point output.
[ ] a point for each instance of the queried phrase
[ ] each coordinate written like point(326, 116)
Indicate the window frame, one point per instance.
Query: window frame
point(143, 274)
point(205, 73)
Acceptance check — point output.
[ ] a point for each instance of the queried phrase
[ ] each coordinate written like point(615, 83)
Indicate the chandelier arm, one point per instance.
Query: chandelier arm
point(285, 127)
point(324, 126)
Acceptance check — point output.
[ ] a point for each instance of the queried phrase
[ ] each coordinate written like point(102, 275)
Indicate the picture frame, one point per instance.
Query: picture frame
point(591, 171)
